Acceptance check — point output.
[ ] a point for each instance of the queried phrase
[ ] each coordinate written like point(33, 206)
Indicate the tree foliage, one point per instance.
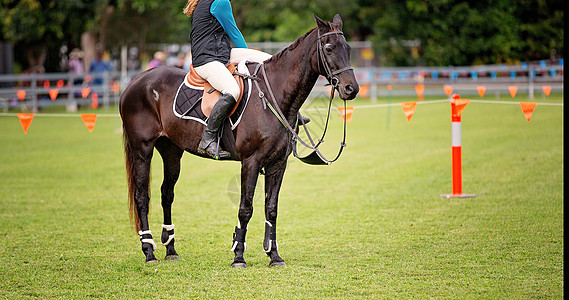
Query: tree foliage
point(410, 32)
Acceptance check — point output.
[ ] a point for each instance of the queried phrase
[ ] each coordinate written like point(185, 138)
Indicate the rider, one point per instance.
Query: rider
point(212, 27)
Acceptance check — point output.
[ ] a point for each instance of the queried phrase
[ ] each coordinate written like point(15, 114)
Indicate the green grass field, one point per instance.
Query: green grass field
point(372, 225)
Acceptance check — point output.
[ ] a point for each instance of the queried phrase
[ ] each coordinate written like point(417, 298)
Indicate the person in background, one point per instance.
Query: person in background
point(75, 65)
point(187, 61)
point(98, 65)
point(159, 59)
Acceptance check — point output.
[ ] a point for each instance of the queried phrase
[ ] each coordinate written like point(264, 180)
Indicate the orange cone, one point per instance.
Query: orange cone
point(528, 108)
point(60, 83)
point(546, 90)
point(21, 94)
point(346, 114)
point(89, 121)
point(481, 90)
point(408, 109)
point(94, 100)
point(448, 89)
point(25, 121)
point(513, 90)
point(53, 94)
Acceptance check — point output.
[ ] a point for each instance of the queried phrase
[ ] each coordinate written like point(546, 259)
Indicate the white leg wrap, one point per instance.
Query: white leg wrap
point(170, 237)
point(149, 241)
point(235, 245)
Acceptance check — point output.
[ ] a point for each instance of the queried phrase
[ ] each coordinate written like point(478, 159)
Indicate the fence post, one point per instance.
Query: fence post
point(34, 92)
point(530, 88)
point(106, 84)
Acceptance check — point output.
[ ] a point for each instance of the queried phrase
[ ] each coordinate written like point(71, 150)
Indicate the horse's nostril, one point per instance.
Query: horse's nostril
point(349, 89)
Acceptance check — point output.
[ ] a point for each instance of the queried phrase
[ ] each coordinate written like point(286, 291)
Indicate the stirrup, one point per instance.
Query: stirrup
point(221, 154)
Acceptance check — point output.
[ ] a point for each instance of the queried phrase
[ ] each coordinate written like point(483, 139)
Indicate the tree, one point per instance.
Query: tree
point(38, 28)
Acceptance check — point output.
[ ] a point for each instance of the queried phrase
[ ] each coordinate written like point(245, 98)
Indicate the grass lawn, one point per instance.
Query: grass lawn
point(371, 225)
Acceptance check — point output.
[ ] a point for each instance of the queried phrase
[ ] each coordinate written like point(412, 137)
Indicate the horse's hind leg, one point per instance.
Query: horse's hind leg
point(142, 158)
point(273, 180)
point(171, 155)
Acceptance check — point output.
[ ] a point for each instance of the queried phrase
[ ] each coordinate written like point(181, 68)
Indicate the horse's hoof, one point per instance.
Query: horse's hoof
point(277, 264)
point(239, 265)
point(172, 257)
point(153, 261)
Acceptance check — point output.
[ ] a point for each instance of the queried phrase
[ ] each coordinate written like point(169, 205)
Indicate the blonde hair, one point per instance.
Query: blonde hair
point(190, 7)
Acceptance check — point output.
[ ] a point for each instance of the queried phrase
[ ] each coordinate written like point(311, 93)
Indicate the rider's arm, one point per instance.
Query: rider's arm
point(221, 10)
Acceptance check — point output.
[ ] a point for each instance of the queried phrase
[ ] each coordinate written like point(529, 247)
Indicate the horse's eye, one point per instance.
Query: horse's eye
point(328, 48)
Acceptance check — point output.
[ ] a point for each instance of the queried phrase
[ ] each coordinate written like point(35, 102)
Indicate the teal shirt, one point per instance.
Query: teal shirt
point(221, 10)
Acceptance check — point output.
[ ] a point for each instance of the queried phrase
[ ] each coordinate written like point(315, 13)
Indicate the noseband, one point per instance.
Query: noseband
point(330, 75)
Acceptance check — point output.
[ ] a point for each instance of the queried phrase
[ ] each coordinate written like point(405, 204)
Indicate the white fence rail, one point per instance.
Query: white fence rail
point(72, 90)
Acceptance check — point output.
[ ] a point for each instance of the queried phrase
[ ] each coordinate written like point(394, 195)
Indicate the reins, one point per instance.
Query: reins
point(316, 157)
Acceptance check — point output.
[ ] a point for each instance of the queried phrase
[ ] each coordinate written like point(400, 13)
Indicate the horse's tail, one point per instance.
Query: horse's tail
point(129, 162)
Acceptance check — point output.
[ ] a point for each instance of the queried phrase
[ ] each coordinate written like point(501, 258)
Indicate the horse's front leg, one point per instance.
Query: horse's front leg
point(249, 176)
point(273, 180)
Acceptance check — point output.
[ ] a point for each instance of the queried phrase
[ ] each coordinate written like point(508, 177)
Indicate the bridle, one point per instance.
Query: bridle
point(315, 157)
point(329, 74)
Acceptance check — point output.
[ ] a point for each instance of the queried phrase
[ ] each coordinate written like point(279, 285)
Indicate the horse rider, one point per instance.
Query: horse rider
point(213, 25)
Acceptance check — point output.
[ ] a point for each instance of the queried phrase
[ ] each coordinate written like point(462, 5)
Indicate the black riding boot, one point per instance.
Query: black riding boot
point(209, 143)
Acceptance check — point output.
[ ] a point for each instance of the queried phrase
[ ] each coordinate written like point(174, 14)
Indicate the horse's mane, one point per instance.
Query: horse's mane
point(290, 47)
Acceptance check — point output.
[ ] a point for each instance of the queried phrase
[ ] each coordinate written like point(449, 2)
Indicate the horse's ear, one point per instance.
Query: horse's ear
point(338, 20)
point(321, 24)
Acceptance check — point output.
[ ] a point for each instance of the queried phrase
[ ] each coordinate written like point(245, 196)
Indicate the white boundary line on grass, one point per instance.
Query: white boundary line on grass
point(433, 102)
point(307, 109)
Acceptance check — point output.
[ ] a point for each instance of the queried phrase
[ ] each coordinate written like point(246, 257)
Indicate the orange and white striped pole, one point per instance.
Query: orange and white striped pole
point(457, 107)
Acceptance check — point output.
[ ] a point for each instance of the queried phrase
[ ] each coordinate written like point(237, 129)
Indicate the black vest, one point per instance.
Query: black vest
point(208, 39)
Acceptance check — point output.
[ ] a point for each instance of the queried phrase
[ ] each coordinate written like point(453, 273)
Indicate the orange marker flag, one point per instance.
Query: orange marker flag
point(53, 94)
point(408, 109)
point(60, 83)
point(420, 88)
point(115, 88)
point(481, 90)
point(546, 90)
point(25, 121)
point(85, 92)
point(513, 90)
point(89, 121)
point(346, 114)
point(364, 90)
point(46, 84)
point(448, 89)
point(21, 94)
point(528, 108)
point(459, 104)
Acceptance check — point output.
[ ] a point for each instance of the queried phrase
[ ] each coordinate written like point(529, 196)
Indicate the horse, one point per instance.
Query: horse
point(262, 143)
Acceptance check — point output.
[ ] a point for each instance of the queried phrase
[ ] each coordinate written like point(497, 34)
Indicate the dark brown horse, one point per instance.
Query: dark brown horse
point(261, 141)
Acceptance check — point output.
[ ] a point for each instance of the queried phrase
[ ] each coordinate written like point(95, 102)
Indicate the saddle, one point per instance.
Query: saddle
point(210, 94)
point(195, 99)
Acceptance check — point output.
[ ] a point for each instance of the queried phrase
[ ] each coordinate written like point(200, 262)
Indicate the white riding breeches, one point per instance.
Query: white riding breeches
point(220, 78)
